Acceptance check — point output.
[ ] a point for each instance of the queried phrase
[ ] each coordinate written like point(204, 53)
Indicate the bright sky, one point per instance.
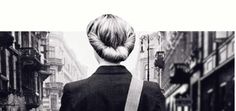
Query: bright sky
point(143, 15)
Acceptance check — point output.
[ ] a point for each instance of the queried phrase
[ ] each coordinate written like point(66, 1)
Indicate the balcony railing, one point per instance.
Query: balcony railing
point(30, 57)
point(30, 52)
point(56, 62)
point(54, 85)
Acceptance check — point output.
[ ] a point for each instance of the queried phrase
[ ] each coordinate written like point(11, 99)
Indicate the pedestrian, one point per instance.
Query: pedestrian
point(111, 87)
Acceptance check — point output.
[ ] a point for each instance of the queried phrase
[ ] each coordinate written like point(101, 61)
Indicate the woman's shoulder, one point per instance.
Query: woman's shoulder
point(76, 85)
point(152, 88)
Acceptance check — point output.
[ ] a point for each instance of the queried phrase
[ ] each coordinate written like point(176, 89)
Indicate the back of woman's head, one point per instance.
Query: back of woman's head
point(111, 37)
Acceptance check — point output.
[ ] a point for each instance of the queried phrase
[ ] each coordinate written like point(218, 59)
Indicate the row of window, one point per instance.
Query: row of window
point(214, 38)
point(8, 70)
point(12, 77)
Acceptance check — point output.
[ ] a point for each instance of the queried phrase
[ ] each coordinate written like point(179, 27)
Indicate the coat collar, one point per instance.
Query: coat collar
point(117, 69)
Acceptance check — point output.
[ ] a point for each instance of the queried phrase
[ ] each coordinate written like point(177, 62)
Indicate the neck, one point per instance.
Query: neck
point(106, 63)
point(103, 62)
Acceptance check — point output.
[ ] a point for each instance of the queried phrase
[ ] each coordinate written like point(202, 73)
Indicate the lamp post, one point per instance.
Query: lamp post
point(142, 51)
point(148, 58)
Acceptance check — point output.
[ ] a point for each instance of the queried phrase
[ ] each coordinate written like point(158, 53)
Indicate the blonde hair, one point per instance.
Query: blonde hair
point(111, 37)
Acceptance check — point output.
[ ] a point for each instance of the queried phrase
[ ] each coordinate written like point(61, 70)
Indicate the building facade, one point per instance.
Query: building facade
point(217, 80)
point(174, 79)
point(23, 59)
point(148, 43)
point(199, 72)
point(153, 46)
point(195, 69)
point(64, 69)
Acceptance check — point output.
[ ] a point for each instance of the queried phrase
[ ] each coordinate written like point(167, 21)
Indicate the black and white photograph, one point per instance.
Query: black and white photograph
point(102, 57)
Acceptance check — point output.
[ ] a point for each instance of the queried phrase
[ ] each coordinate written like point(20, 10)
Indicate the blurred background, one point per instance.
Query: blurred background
point(195, 69)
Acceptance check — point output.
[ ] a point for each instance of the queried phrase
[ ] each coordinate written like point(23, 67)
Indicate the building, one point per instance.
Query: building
point(217, 81)
point(64, 69)
point(23, 59)
point(148, 45)
point(157, 45)
point(175, 79)
point(199, 72)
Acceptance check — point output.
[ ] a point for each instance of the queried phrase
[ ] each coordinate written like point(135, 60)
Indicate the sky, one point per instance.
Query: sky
point(143, 15)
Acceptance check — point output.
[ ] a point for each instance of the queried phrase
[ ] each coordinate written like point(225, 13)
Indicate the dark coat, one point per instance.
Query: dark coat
point(106, 90)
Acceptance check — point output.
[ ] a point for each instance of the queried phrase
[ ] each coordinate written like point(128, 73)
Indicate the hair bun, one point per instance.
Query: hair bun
point(111, 37)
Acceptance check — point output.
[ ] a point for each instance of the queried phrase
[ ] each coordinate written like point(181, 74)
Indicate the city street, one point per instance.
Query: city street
point(194, 69)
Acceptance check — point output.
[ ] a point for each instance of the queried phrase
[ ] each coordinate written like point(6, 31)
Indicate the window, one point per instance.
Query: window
point(195, 40)
point(230, 33)
point(25, 39)
point(7, 64)
point(221, 34)
point(211, 37)
point(14, 70)
point(211, 100)
point(44, 93)
point(3, 71)
point(53, 76)
point(222, 96)
point(233, 46)
point(12, 64)
point(51, 52)
point(16, 39)
point(54, 102)
point(35, 42)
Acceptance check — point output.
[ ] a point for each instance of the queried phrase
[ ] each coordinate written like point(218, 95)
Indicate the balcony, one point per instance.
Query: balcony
point(56, 62)
point(6, 39)
point(32, 99)
point(45, 73)
point(54, 85)
point(30, 58)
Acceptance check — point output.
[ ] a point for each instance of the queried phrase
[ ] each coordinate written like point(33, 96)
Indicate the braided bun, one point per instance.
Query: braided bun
point(111, 37)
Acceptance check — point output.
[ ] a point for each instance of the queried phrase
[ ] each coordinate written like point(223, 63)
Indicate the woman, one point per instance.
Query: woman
point(107, 89)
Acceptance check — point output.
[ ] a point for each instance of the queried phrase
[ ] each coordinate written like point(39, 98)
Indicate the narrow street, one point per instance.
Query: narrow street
point(195, 69)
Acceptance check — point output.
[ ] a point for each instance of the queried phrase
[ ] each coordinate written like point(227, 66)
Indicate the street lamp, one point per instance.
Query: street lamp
point(148, 57)
point(159, 62)
point(142, 51)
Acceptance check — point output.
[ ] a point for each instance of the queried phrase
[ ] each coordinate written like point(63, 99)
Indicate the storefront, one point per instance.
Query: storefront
point(180, 99)
point(217, 89)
